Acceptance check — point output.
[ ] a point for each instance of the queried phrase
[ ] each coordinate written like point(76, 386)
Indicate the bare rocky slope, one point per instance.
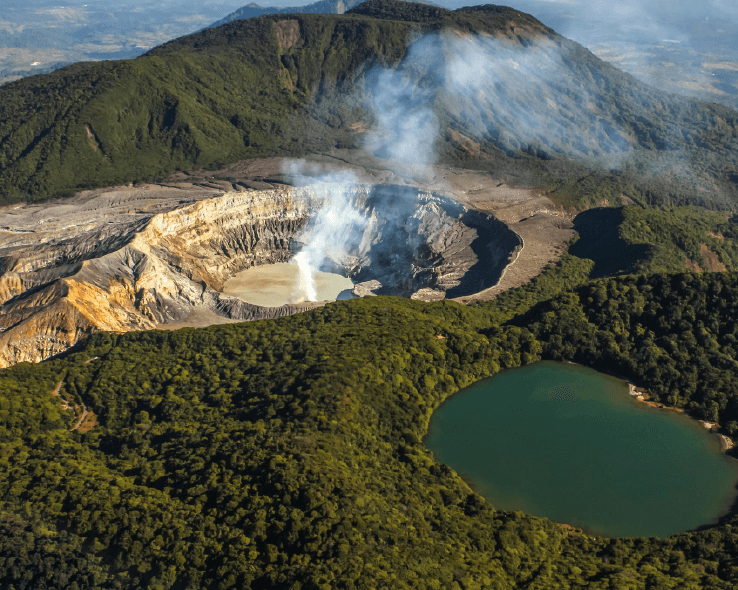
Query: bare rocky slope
point(138, 262)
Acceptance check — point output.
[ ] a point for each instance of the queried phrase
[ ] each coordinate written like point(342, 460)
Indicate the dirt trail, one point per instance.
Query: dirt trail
point(57, 393)
point(67, 405)
point(81, 419)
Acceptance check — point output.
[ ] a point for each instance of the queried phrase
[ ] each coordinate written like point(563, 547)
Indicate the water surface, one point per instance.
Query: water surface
point(272, 285)
point(568, 443)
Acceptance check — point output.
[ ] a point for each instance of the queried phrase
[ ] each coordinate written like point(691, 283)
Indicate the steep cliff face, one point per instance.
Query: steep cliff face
point(138, 274)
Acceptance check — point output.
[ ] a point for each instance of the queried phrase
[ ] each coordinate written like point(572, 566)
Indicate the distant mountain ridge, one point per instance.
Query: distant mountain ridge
point(321, 7)
point(294, 84)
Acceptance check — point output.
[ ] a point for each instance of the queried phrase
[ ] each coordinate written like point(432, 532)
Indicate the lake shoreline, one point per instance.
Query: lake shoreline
point(573, 525)
point(641, 395)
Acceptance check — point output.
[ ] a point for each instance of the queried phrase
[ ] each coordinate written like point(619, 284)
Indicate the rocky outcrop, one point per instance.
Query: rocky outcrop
point(59, 285)
point(422, 245)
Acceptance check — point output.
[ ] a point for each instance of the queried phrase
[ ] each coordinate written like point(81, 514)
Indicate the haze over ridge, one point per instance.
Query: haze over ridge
point(319, 103)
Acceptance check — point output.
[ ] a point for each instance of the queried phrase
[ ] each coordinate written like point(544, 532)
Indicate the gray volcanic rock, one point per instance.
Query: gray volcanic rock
point(62, 280)
point(415, 240)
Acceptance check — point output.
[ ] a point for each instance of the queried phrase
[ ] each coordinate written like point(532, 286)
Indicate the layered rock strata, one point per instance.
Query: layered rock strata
point(58, 284)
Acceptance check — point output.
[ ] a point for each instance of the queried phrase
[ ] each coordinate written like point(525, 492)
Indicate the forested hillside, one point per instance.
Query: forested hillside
point(288, 453)
point(287, 85)
point(675, 333)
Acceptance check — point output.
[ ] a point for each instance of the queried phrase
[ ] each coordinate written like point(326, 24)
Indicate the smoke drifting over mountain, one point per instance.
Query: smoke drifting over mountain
point(493, 90)
point(525, 96)
point(406, 128)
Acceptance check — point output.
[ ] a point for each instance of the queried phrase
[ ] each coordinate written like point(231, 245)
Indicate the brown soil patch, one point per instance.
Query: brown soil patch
point(57, 393)
point(200, 317)
point(712, 262)
point(641, 395)
point(727, 442)
point(288, 33)
point(82, 412)
point(288, 79)
point(692, 265)
point(717, 236)
point(661, 406)
point(545, 232)
point(465, 143)
point(89, 422)
point(92, 138)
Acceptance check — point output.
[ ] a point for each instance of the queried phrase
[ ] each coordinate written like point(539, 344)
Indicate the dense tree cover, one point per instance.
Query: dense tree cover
point(236, 92)
point(675, 334)
point(223, 97)
point(566, 274)
point(288, 453)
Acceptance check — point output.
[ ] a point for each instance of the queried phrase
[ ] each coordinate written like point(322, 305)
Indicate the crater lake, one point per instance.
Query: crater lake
point(565, 442)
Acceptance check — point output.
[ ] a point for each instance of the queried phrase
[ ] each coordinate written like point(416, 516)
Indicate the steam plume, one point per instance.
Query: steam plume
point(306, 279)
point(333, 227)
point(493, 90)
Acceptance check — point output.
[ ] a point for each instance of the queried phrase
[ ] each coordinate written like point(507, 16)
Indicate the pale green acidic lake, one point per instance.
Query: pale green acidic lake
point(272, 285)
point(568, 443)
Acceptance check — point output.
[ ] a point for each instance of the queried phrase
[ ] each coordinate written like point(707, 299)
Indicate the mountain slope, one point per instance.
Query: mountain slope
point(290, 85)
point(288, 453)
point(254, 10)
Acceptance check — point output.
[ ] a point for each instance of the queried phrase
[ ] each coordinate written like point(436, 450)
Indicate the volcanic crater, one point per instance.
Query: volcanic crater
point(142, 268)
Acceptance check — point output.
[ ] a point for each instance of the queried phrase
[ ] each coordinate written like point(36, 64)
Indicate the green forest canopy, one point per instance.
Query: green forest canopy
point(288, 453)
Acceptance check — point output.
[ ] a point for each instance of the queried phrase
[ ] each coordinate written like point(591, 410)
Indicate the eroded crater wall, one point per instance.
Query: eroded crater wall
point(57, 287)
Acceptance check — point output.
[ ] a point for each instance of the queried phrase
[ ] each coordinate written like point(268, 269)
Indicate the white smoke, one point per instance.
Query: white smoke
point(495, 90)
point(330, 231)
point(306, 280)
point(405, 127)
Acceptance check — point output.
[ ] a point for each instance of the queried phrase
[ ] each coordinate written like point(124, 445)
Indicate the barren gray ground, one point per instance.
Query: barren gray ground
point(104, 214)
point(544, 228)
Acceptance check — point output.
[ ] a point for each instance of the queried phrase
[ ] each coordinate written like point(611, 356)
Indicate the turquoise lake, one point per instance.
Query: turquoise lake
point(566, 442)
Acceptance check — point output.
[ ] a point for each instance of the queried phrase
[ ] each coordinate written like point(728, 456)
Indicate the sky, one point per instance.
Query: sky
point(581, 20)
